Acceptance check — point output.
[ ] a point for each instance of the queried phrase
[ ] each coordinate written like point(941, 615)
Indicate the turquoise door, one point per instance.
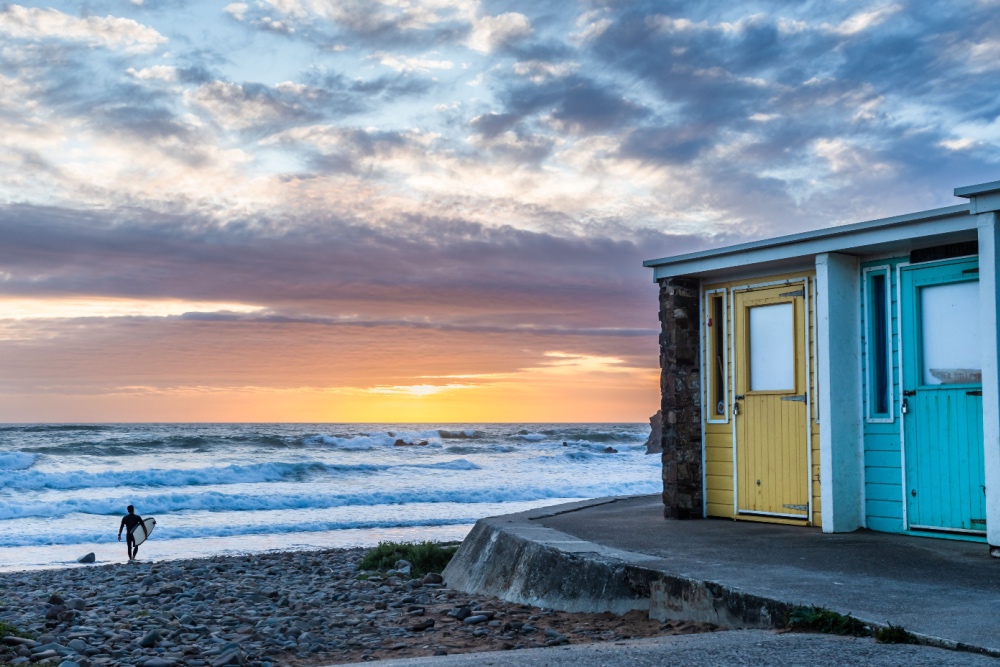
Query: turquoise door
point(942, 397)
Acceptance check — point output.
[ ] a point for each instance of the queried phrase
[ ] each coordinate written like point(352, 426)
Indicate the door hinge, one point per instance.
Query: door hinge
point(800, 292)
point(909, 392)
point(801, 398)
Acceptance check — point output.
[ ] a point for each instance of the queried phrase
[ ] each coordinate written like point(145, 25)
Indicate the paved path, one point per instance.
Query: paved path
point(941, 588)
point(750, 648)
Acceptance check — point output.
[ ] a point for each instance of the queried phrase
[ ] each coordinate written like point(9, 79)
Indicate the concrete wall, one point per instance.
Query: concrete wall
point(838, 311)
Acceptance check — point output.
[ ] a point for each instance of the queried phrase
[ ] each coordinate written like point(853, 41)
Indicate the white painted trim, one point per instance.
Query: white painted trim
point(866, 361)
point(902, 417)
point(805, 519)
point(736, 492)
point(809, 400)
point(732, 399)
point(989, 249)
point(707, 385)
point(704, 442)
point(897, 234)
point(815, 363)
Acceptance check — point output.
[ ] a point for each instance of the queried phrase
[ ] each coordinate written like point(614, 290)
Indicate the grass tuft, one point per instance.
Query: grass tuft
point(828, 622)
point(424, 556)
point(8, 630)
point(894, 634)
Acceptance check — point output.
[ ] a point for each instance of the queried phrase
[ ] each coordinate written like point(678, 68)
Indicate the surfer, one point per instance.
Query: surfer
point(129, 522)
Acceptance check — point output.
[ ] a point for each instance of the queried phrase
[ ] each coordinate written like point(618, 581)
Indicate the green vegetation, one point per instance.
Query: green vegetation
point(8, 630)
point(828, 622)
point(424, 556)
point(894, 634)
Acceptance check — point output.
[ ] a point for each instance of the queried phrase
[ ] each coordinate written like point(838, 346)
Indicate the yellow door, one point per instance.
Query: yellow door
point(772, 464)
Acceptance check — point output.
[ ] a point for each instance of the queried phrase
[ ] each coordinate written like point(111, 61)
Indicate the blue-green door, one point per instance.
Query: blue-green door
point(942, 397)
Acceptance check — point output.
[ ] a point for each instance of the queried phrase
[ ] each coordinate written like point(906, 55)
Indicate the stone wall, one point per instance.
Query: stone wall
point(680, 391)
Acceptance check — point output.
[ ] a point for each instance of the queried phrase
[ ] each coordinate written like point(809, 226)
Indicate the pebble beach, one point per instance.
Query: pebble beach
point(270, 609)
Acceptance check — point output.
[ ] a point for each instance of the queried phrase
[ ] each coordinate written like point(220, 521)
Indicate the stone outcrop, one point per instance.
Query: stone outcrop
point(680, 388)
point(654, 443)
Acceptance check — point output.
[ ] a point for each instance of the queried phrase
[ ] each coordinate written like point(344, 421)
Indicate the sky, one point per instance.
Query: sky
point(433, 210)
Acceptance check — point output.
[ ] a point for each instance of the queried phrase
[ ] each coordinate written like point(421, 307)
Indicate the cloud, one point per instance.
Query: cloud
point(491, 32)
point(410, 64)
point(28, 23)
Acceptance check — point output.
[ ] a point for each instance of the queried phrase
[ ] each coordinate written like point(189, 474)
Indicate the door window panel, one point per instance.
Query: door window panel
point(772, 348)
point(949, 317)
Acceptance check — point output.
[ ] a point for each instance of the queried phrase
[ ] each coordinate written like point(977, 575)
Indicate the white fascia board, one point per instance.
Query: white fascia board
point(874, 235)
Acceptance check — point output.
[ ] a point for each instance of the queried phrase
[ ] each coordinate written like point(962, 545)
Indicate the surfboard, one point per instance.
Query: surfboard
point(147, 526)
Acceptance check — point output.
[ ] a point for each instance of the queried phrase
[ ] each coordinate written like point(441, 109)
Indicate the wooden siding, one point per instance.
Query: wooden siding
point(719, 488)
point(883, 463)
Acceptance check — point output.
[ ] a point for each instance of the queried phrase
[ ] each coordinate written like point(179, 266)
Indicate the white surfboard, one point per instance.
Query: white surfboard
point(142, 530)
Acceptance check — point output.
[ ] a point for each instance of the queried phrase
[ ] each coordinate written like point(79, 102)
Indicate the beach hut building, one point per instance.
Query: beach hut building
point(844, 378)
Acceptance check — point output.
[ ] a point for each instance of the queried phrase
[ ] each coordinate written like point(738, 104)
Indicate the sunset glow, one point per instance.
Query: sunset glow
point(433, 211)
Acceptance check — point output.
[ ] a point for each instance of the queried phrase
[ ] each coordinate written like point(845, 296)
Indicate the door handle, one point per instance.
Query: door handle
point(976, 392)
point(909, 392)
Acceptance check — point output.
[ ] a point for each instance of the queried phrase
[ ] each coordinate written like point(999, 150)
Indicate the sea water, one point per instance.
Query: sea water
point(238, 488)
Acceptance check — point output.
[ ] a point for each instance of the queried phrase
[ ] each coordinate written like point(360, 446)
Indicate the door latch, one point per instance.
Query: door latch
point(736, 409)
point(904, 407)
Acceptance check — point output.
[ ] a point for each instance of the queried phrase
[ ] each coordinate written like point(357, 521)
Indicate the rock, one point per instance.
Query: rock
point(610, 450)
point(150, 638)
point(426, 624)
point(402, 564)
point(89, 558)
point(461, 613)
point(77, 645)
point(231, 657)
point(78, 604)
point(55, 611)
point(433, 578)
point(43, 655)
point(159, 662)
point(69, 663)
point(654, 443)
point(19, 641)
point(55, 599)
point(475, 620)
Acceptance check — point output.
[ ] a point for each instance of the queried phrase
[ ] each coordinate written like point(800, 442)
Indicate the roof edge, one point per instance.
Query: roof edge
point(829, 232)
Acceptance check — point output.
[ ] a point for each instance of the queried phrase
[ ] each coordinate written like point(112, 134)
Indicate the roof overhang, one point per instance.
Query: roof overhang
point(900, 234)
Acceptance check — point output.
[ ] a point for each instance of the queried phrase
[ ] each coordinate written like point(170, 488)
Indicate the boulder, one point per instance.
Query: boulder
point(150, 639)
point(89, 558)
point(654, 443)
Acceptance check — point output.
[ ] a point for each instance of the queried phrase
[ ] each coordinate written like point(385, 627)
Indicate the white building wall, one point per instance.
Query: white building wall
point(841, 439)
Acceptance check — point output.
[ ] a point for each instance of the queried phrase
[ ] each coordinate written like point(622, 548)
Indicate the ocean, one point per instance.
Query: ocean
point(239, 488)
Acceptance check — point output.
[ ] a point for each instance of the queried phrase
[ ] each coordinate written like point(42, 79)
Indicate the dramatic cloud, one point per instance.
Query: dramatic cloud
point(435, 203)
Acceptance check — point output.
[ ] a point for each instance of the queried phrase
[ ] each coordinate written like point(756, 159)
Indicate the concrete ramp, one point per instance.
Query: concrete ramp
point(514, 558)
point(620, 554)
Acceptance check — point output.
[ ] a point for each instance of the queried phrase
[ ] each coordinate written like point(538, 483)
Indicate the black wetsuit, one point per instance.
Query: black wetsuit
point(129, 522)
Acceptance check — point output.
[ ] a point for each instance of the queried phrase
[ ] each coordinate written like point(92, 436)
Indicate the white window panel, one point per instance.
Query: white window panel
point(772, 348)
point(949, 317)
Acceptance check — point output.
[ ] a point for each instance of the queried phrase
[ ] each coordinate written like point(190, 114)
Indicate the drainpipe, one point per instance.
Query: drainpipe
point(984, 203)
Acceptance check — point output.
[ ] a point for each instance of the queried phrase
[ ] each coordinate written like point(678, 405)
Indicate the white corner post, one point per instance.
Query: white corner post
point(988, 295)
point(838, 346)
point(984, 204)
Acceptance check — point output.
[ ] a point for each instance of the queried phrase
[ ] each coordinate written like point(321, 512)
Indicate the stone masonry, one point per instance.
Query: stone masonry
point(680, 393)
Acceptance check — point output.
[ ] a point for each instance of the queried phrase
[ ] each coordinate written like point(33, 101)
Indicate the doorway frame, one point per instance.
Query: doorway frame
point(809, 361)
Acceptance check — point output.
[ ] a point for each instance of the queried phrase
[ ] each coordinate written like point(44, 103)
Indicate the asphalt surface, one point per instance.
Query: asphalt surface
point(757, 648)
point(940, 588)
